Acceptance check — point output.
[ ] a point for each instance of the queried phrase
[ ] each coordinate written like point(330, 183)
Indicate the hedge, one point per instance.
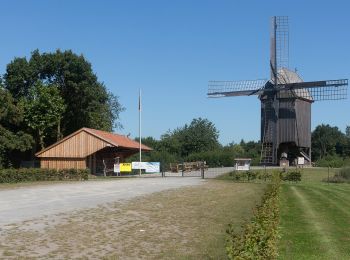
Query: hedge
point(262, 175)
point(259, 237)
point(36, 174)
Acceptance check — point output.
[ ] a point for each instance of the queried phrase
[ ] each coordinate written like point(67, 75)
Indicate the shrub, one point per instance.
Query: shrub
point(333, 161)
point(294, 176)
point(345, 172)
point(340, 177)
point(259, 237)
point(35, 174)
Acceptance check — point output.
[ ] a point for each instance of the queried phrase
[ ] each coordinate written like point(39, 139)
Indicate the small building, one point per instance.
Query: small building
point(89, 148)
point(242, 164)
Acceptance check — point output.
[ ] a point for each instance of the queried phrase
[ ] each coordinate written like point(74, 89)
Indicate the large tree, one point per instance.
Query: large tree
point(87, 101)
point(327, 140)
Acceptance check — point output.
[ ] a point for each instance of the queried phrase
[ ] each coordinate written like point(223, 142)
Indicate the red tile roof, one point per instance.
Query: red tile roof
point(117, 140)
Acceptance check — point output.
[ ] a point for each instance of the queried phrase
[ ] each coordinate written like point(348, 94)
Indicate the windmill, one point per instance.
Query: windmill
point(285, 100)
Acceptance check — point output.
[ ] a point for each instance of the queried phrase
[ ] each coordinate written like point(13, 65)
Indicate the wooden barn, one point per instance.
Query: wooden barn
point(89, 148)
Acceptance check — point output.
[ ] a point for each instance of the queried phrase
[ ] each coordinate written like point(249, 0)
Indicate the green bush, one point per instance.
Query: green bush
point(333, 161)
point(259, 237)
point(340, 177)
point(345, 172)
point(293, 176)
point(35, 174)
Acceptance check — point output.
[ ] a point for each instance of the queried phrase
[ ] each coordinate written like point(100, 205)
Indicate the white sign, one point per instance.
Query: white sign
point(148, 166)
point(301, 160)
point(152, 167)
point(116, 168)
point(138, 165)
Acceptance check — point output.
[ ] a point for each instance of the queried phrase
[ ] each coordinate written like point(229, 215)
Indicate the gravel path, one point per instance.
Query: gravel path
point(25, 203)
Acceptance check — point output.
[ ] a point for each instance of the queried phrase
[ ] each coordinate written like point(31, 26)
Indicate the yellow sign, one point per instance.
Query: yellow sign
point(125, 167)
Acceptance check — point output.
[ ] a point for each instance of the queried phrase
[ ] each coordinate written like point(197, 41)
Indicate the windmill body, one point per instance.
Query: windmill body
point(285, 101)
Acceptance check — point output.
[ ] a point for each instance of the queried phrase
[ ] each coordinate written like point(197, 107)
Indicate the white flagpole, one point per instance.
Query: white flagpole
point(140, 127)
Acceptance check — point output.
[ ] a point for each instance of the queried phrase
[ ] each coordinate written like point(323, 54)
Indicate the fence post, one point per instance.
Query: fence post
point(183, 168)
point(202, 170)
point(328, 176)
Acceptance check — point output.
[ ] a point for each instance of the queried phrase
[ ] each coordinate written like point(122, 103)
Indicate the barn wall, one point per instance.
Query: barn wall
point(303, 114)
point(79, 145)
point(63, 163)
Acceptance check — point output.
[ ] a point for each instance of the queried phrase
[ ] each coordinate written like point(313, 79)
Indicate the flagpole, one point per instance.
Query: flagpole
point(140, 128)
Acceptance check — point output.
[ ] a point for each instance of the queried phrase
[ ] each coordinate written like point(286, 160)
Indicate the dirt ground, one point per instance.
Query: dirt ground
point(185, 222)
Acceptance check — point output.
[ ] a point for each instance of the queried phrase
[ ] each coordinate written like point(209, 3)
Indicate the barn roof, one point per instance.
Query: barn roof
point(111, 139)
point(117, 140)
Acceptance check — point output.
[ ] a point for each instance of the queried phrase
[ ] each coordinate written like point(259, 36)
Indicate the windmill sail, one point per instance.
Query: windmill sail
point(235, 88)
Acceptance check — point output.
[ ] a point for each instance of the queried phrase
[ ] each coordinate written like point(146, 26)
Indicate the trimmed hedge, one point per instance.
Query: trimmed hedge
point(259, 237)
point(36, 174)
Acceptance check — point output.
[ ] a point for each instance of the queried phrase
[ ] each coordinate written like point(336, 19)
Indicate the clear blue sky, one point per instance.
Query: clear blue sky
point(171, 49)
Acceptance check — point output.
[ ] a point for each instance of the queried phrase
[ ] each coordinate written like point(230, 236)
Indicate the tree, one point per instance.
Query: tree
point(327, 140)
point(199, 136)
point(43, 110)
point(347, 131)
point(10, 140)
point(87, 100)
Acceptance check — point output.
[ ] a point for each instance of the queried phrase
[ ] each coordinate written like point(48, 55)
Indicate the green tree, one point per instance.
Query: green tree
point(327, 140)
point(199, 136)
point(347, 131)
point(88, 102)
point(43, 110)
point(10, 139)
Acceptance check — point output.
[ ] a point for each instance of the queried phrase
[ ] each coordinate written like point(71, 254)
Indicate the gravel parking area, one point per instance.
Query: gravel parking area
point(31, 202)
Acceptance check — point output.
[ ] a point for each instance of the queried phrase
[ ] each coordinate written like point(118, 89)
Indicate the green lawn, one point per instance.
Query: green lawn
point(315, 218)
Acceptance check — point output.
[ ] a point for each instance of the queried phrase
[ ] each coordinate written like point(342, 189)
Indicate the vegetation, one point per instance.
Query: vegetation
point(48, 96)
point(330, 147)
point(197, 141)
point(343, 175)
point(30, 175)
point(259, 237)
point(314, 218)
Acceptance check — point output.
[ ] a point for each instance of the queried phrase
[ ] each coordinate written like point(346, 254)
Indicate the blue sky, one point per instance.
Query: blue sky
point(170, 49)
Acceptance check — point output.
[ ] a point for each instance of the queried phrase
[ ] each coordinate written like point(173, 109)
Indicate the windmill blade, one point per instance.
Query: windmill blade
point(218, 89)
point(318, 90)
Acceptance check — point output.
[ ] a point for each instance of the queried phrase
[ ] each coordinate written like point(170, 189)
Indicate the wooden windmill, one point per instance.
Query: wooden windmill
point(285, 100)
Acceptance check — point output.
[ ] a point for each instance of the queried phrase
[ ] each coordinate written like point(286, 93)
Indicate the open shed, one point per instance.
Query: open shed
point(88, 148)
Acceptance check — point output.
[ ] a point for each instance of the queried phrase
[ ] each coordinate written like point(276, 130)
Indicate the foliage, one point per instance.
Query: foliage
point(340, 177)
point(88, 102)
point(43, 109)
point(327, 140)
point(10, 139)
point(333, 161)
point(259, 237)
point(293, 176)
point(35, 174)
point(200, 135)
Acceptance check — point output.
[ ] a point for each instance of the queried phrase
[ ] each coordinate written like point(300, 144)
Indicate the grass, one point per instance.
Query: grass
point(315, 218)
point(186, 223)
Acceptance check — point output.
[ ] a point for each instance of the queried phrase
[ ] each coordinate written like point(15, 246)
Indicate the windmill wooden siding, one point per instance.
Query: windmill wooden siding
point(87, 148)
